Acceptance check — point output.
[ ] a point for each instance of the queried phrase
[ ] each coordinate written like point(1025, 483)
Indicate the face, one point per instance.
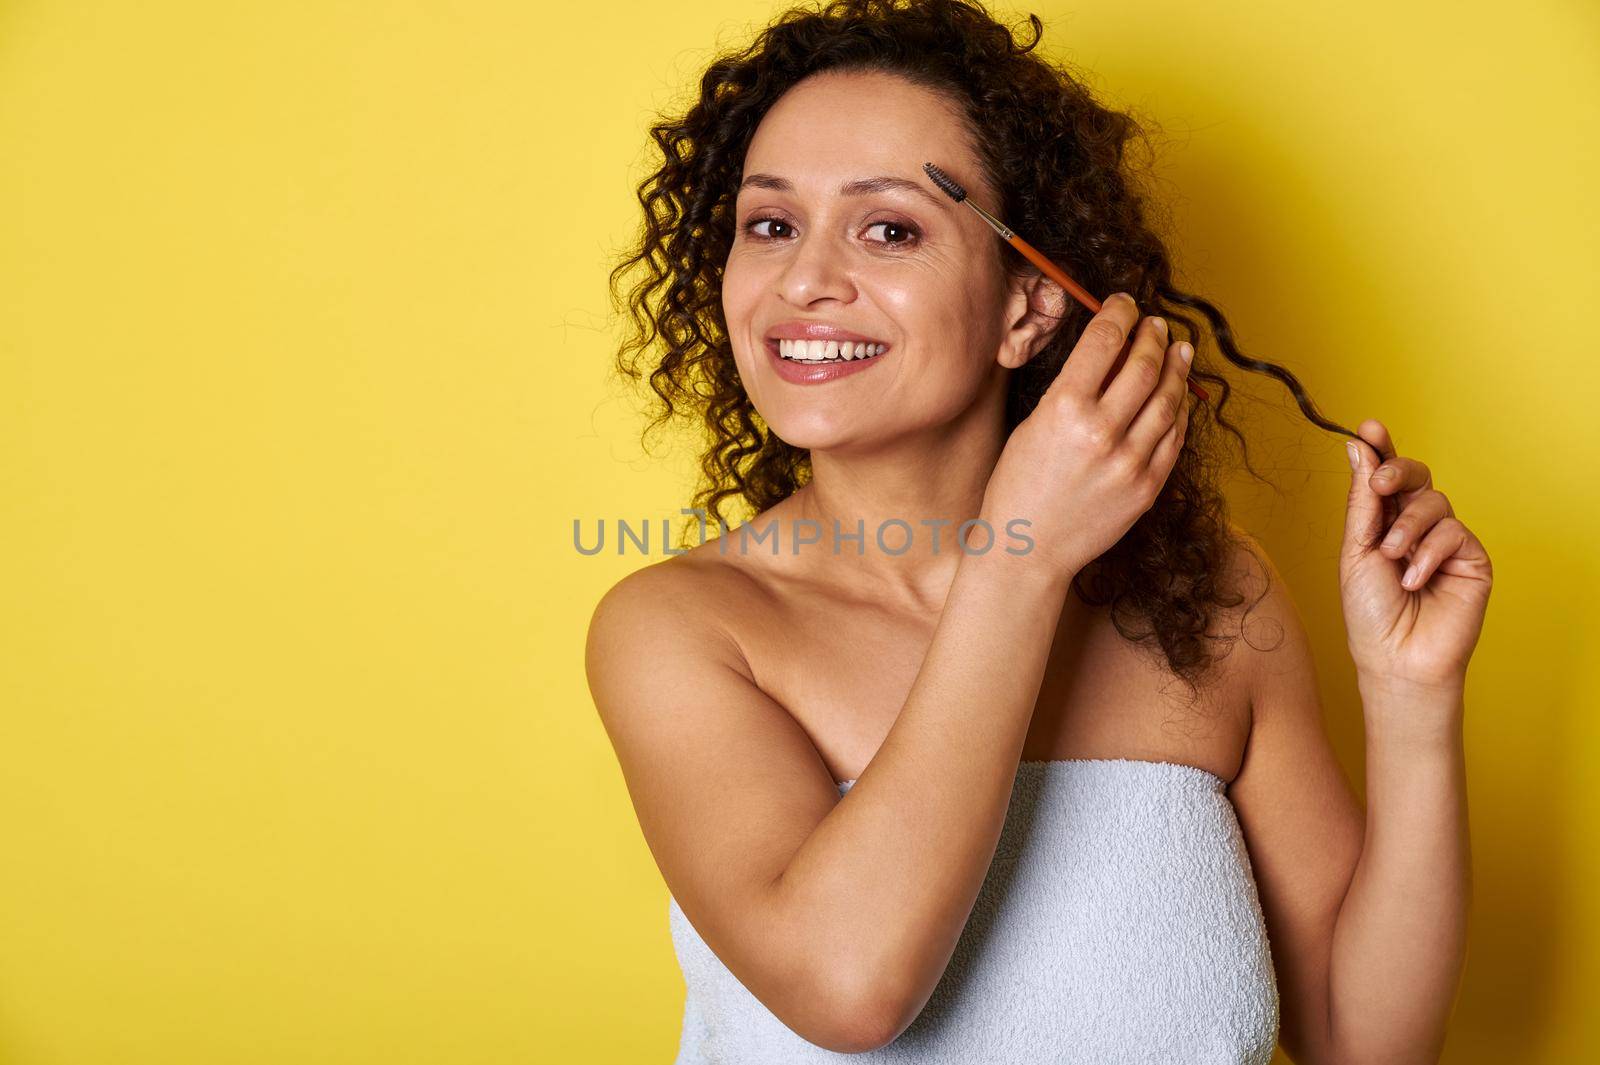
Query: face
point(894, 263)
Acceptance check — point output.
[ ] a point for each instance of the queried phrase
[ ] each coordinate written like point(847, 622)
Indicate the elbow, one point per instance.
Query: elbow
point(848, 1035)
point(834, 1000)
point(828, 1009)
point(870, 1029)
point(856, 1028)
point(861, 1016)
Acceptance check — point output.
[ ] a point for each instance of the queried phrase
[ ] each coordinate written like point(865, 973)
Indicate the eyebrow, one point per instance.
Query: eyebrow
point(860, 187)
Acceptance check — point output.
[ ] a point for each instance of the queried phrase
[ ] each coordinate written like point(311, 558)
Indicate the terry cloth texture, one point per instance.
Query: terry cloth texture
point(1118, 922)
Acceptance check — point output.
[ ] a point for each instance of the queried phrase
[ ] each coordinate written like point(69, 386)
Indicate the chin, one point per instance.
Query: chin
point(808, 436)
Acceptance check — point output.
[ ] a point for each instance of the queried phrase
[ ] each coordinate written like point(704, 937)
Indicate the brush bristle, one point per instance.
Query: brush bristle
point(946, 183)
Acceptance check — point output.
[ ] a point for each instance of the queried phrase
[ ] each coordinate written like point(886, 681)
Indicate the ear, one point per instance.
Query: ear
point(1035, 306)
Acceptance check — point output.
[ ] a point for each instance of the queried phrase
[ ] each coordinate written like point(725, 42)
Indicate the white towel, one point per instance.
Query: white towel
point(1119, 922)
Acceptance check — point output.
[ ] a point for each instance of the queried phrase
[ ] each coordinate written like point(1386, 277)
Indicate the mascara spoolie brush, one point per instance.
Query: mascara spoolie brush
point(950, 187)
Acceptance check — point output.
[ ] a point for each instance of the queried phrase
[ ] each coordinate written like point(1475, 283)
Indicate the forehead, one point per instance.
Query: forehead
point(847, 121)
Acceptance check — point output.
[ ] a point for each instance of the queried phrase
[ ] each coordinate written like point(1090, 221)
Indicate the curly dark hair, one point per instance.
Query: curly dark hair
point(1058, 158)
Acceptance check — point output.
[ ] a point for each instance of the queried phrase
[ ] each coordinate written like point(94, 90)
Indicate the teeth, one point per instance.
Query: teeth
point(823, 350)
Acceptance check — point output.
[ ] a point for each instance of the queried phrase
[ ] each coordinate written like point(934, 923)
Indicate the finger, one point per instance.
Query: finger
point(1418, 516)
point(1470, 559)
point(1402, 477)
point(1097, 348)
point(1442, 543)
point(1141, 378)
point(1376, 433)
point(1171, 445)
point(1363, 514)
point(1162, 409)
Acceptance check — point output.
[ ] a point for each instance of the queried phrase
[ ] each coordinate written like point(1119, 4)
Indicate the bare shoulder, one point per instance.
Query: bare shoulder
point(1250, 571)
point(1271, 634)
point(675, 585)
point(675, 688)
point(665, 608)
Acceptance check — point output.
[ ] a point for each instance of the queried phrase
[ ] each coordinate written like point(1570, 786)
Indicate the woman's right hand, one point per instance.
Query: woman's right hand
point(1084, 466)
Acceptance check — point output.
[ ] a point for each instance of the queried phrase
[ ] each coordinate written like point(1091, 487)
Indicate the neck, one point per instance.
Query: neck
point(914, 491)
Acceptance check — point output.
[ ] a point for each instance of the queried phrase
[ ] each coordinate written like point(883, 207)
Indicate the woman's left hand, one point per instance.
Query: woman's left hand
point(1413, 579)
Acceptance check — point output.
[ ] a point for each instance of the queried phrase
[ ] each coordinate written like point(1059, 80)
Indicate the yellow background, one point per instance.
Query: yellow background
point(303, 352)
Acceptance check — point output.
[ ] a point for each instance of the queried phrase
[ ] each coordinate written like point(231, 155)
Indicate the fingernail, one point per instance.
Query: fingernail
point(1410, 578)
point(1393, 539)
point(1186, 352)
point(1385, 473)
point(1355, 456)
point(1161, 325)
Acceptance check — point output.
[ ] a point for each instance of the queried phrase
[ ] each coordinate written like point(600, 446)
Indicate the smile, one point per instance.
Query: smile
point(824, 351)
point(803, 361)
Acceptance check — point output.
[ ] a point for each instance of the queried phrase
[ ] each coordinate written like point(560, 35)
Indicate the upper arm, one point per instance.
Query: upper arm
point(1302, 822)
point(725, 784)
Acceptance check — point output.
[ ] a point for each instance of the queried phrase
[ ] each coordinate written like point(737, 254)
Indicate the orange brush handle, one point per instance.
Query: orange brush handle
point(1079, 293)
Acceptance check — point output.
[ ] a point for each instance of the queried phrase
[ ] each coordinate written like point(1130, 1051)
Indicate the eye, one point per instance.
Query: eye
point(908, 233)
point(750, 227)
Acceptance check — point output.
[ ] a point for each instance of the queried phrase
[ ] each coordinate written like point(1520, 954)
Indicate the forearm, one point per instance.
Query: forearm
point(888, 879)
point(1400, 938)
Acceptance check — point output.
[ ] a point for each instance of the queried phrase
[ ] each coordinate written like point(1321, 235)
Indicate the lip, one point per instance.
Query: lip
point(797, 329)
point(802, 374)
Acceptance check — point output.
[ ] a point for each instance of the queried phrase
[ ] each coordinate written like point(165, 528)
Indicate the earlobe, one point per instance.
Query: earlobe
point(1021, 350)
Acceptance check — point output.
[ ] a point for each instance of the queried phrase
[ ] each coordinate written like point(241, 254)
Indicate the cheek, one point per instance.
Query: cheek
point(947, 319)
point(936, 288)
point(740, 297)
point(738, 285)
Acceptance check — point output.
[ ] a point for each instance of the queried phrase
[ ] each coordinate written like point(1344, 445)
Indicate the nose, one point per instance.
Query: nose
point(818, 269)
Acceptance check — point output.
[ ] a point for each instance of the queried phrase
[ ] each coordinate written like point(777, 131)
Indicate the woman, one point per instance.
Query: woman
point(926, 801)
